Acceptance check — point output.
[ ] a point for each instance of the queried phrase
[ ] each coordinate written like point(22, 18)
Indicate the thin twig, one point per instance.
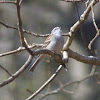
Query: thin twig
point(5, 70)
point(74, 28)
point(53, 93)
point(20, 71)
point(29, 91)
point(73, 0)
point(94, 19)
point(8, 26)
point(83, 37)
point(79, 81)
point(20, 49)
point(67, 84)
point(18, 3)
point(91, 42)
point(98, 31)
point(25, 31)
point(10, 2)
point(28, 32)
point(45, 84)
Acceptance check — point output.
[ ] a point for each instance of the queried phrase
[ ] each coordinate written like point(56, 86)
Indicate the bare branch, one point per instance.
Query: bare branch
point(45, 84)
point(20, 49)
point(25, 31)
point(29, 91)
point(73, 0)
point(72, 54)
point(74, 28)
point(54, 92)
point(67, 84)
point(28, 32)
point(8, 26)
point(20, 71)
point(79, 81)
point(5, 70)
point(85, 59)
point(20, 27)
point(98, 31)
point(10, 2)
point(20, 22)
point(93, 70)
point(97, 34)
point(94, 19)
point(20, 2)
point(82, 34)
point(56, 56)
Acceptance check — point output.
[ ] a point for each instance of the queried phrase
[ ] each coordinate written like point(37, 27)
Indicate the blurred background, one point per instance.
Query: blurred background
point(41, 16)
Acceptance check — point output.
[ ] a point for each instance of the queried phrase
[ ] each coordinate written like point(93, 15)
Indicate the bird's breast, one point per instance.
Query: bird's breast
point(56, 44)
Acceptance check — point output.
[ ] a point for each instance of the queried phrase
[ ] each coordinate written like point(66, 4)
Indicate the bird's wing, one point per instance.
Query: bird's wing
point(47, 41)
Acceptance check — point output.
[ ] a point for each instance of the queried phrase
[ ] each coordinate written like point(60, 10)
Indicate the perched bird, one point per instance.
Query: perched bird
point(54, 42)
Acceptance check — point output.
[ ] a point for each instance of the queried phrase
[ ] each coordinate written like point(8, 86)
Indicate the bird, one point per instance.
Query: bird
point(53, 42)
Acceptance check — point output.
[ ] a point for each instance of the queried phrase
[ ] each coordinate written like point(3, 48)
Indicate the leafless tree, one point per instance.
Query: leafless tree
point(94, 60)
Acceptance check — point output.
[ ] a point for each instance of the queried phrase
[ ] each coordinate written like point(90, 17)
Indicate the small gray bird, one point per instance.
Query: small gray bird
point(54, 42)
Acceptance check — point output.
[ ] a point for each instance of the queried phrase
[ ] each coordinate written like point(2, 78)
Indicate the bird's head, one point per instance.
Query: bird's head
point(56, 30)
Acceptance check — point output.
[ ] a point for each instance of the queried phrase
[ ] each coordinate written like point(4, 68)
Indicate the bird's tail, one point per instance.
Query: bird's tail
point(35, 63)
point(65, 67)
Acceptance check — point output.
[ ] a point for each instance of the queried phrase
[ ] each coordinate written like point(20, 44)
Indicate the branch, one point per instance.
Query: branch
point(8, 26)
point(98, 31)
point(25, 31)
point(56, 56)
point(11, 2)
point(53, 93)
point(20, 49)
point(20, 71)
point(5, 70)
point(20, 22)
point(45, 84)
point(60, 88)
point(67, 84)
point(18, 3)
point(74, 28)
point(85, 59)
point(79, 81)
point(28, 32)
point(96, 27)
point(73, 0)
